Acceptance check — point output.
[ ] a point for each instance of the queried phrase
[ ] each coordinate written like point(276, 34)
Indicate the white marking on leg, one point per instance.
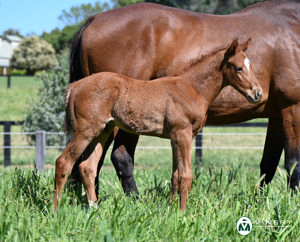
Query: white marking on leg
point(110, 119)
point(247, 63)
point(93, 205)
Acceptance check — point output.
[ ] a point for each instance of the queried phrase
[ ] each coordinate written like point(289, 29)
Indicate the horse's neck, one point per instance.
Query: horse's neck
point(206, 77)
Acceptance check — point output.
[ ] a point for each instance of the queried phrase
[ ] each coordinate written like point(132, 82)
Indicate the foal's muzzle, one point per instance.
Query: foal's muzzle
point(255, 96)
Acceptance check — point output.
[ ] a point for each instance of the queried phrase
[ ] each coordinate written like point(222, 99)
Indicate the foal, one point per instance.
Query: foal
point(169, 107)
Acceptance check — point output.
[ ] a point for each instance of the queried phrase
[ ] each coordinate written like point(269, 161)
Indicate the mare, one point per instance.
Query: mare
point(171, 107)
point(147, 41)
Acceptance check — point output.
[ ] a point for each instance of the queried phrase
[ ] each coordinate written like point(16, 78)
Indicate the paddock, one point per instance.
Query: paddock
point(223, 191)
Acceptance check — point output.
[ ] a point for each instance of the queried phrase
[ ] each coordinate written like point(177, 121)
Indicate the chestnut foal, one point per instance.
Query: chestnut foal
point(170, 107)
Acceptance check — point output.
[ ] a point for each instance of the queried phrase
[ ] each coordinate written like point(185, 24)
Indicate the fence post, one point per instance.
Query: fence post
point(199, 158)
point(7, 152)
point(40, 140)
point(8, 81)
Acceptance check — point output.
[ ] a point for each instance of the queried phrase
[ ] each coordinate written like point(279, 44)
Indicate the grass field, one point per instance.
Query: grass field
point(223, 191)
point(13, 101)
point(220, 195)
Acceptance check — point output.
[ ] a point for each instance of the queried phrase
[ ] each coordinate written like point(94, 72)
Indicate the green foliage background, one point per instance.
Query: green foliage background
point(33, 54)
point(47, 111)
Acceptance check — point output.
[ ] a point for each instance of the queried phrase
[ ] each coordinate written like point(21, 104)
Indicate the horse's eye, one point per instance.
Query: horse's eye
point(238, 68)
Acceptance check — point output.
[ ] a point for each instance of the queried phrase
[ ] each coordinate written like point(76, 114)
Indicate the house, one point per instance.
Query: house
point(7, 44)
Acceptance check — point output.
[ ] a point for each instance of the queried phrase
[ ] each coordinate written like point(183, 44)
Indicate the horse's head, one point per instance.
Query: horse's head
point(238, 73)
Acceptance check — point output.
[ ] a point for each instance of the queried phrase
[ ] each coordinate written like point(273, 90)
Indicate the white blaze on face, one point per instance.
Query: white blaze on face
point(247, 63)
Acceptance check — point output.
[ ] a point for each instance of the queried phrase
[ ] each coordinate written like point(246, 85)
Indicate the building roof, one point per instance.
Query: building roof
point(12, 38)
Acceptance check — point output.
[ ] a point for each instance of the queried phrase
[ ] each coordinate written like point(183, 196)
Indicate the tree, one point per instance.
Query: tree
point(13, 32)
point(205, 6)
point(33, 54)
point(61, 39)
point(122, 3)
point(73, 19)
point(80, 13)
point(47, 111)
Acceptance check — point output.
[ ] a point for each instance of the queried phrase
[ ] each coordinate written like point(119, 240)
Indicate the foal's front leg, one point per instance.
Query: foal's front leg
point(65, 163)
point(182, 176)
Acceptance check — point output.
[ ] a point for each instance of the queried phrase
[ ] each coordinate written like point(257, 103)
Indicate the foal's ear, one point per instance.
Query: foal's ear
point(232, 48)
point(244, 46)
point(231, 51)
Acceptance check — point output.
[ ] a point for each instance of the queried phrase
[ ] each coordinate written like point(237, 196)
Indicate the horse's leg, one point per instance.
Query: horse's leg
point(101, 161)
point(65, 163)
point(272, 151)
point(88, 172)
point(182, 176)
point(175, 178)
point(291, 127)
point(123, 159)
point(74, 182)
point(91, 157)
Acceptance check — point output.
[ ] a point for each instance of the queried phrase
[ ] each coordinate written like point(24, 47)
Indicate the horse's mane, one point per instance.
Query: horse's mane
point(194, 62)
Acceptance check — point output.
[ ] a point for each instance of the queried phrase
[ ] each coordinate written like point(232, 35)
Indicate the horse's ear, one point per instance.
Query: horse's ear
point(232, 48)
point(244, 46)
point(231, 51)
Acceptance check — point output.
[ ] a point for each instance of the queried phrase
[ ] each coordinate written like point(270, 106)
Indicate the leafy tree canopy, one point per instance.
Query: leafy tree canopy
point(33, 54)
point(12, 32)
point(207, 6)
point(61, 38)
point(79, 13)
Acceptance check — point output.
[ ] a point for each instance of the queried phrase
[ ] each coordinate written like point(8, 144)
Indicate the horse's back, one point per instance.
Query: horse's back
point(147, 41)
point(140, 40)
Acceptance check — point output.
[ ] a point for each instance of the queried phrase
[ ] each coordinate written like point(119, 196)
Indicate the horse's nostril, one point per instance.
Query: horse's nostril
point(258, 95)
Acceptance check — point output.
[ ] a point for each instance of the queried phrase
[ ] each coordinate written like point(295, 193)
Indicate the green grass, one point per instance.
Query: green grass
point(220, 195)
point(13, 101)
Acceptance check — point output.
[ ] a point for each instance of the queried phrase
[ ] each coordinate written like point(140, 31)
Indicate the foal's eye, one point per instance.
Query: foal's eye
point(238, 68)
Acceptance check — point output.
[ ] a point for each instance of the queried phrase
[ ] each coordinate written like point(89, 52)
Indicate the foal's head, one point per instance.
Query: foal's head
point(238, 73)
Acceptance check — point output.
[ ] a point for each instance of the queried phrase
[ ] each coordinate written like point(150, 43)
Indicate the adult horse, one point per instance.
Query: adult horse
point(147, 41)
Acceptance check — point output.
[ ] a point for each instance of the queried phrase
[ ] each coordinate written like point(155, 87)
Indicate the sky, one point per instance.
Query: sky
point(34, 16)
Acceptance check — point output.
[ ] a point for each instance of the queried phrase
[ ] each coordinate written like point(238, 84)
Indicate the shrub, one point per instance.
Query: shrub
point(18, 72)
point(47, 111)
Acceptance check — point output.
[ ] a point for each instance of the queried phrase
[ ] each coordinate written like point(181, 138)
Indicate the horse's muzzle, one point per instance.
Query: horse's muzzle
point(255, 96)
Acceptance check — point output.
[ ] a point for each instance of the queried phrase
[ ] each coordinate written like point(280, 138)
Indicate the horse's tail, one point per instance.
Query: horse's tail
point(75, 65)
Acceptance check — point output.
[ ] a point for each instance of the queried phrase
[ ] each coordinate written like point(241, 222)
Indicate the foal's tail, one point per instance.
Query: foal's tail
point(75, 64)
point(68, 127)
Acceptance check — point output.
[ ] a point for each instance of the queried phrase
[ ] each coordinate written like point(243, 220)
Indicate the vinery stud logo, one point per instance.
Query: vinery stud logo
point(244, 226)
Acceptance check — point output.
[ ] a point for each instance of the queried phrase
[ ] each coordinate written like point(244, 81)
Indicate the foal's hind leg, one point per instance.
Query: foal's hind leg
point(65, 163)
point(88, 167)
point(88, 172)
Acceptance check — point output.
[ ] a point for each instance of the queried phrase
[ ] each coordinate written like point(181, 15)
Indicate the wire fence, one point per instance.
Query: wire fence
point(22, 150)
point(208, 146)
